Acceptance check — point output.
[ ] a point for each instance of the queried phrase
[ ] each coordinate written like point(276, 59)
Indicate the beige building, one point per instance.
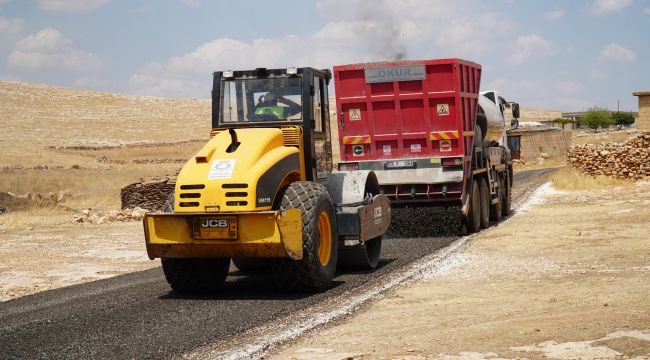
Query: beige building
point(643, 121)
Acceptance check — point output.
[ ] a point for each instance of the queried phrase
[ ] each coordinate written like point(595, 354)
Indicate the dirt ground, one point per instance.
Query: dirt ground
point(38, 259)
point(567, 278)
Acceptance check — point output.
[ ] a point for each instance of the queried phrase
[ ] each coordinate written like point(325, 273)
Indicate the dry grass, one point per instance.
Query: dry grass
point(569, 178)
point(96, 188)
point(588, 136)
point(556, 160)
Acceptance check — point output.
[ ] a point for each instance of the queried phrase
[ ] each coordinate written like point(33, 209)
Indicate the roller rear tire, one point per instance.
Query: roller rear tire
point(195, 275)
point(252, 264)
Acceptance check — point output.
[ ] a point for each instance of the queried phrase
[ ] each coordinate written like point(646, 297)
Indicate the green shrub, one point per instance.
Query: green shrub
point(623, 119)
point(596, 117)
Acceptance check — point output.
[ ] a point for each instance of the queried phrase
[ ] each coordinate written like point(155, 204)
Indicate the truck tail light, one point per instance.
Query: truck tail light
point(452, 162)
point(349, 166)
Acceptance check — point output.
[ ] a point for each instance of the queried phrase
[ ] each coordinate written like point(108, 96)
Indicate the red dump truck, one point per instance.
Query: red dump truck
point(428, 134)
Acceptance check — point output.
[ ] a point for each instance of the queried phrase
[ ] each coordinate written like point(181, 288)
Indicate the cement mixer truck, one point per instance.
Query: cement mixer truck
point(428, 134)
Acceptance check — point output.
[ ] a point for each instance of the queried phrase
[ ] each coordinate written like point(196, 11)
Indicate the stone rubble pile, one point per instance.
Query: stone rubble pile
point(624, 160)
point(90, 216)
point(13, 202)
point(149, 193)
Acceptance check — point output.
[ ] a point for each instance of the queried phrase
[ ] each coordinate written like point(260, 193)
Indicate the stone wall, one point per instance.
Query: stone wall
point(149, 194)
point(536, 142)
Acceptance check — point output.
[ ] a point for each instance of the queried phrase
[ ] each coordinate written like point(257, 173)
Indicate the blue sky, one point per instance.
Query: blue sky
point(566, 55)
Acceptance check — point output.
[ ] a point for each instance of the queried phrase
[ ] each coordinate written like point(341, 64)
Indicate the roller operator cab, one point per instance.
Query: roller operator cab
point(262, 191)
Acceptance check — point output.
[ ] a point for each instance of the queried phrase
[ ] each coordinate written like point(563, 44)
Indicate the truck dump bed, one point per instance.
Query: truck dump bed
point(412, 122)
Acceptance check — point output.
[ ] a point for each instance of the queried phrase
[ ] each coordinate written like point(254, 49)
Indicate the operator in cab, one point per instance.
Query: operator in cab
point(268, 107)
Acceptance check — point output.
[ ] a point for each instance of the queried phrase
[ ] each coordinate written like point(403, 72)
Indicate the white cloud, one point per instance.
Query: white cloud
point(366, 31)
point(70, 5)
point(50, 49)
point(554, 15)
point(10, 30)
point(528, 46)
point(646, 11)
point(192, 3)
point(567, 87)
point(601, 7)
point(616, 53)
point(4, 1)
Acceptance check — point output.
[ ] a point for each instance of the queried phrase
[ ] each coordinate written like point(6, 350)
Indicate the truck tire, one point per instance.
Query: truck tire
point(506, 208)
point(316, 269)
point(195, 275)
point(485, 203)
point(360, 257)
point(496, 212)
point(473, 218)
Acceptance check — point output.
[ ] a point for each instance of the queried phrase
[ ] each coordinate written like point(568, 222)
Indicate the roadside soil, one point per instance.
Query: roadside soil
point(45, 258)
point(566, 278)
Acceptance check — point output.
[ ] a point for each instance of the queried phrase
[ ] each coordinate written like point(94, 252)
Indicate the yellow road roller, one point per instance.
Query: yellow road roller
point(262, 191)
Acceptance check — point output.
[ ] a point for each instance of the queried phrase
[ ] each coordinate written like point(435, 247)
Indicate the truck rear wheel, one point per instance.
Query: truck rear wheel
point(316, 269)
point(473, 218)
point(485, 204)
point(195, 275)
point(507, 194)
point(361, 257)
point(496, 211)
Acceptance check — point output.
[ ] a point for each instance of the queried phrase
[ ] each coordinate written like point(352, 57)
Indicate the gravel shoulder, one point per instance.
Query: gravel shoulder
point(567, 278)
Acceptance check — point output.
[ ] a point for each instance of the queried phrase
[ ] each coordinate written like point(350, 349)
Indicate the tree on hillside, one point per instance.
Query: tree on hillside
point(563, 121)
point(596, 117)
point(622, 119)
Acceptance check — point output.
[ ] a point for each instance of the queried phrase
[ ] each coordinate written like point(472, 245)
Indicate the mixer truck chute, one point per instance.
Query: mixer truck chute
point(428, 134)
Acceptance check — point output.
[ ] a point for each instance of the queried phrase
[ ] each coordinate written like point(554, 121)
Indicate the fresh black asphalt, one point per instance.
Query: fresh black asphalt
point(137, 316)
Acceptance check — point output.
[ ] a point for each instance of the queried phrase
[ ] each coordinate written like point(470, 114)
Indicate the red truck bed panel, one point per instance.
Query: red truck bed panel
point(407, 109)
point(409, 118)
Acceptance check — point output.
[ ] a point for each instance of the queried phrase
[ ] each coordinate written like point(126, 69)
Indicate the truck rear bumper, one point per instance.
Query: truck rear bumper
point(426, 182)
point(418, 176)
point(259, 234)
point(425, 171)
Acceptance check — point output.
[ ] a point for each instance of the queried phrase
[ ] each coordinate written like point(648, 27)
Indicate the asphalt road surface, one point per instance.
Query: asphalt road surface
point(137, 316)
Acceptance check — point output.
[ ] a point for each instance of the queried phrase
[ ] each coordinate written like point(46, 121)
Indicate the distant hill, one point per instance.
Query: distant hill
point(34, 116)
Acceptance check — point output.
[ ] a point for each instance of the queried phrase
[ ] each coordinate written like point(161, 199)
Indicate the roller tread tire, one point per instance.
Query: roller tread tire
point(308, 274)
